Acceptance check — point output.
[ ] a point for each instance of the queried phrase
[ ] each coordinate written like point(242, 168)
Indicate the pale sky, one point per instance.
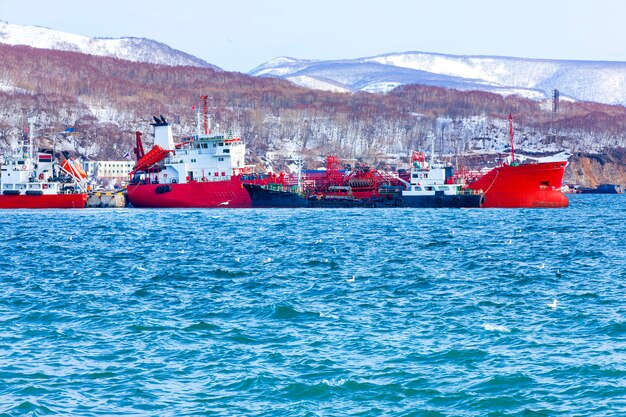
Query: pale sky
point(238, 35)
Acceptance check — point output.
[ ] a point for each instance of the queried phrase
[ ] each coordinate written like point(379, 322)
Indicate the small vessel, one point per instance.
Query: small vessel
point(36, 181)
point(432, 185)
point(206, 170)
point(514, 185)
point(602, 189)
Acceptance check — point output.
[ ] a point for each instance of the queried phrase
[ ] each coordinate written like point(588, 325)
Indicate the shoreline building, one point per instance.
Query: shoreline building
point(106, 171)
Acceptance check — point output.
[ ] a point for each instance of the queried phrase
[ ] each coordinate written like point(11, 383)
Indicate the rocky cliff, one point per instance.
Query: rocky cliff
point(591, 170)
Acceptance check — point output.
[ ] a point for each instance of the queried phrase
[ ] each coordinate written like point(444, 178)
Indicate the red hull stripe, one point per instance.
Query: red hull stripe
point(48, 201)
point(213, 194)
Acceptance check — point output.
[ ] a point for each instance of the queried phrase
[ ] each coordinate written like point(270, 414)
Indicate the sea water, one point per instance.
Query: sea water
point(315, 312)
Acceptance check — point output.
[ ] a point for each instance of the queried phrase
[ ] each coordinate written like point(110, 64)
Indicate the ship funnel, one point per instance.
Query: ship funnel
point(163, 134)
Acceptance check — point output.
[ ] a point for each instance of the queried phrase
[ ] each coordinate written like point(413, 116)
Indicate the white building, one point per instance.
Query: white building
point(108, 169)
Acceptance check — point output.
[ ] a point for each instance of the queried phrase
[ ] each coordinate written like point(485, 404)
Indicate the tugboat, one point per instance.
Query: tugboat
point(205, 171)
point(29, 182)
point(517, 185)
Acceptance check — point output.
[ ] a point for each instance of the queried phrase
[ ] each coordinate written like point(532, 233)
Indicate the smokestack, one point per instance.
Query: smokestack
point(163, 135)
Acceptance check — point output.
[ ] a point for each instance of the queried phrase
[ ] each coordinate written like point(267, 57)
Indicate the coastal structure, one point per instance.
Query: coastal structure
point(109, 170)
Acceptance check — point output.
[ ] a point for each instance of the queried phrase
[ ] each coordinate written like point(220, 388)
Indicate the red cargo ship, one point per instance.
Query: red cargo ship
point(205, 171)
point(523, 186)
point(514, 185)
point(39, 182)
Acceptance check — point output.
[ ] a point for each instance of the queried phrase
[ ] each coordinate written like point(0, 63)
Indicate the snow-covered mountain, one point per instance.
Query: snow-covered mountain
point(131, 49)
point(603, 82)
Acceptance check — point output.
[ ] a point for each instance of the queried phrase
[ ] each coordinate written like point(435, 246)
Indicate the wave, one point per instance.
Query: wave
point(227, 273)
point(201, 326)
point(504, 383)
point(616, 330)
point(139, 328)
point(496, 328)
point(287, 312)
point(462, 355)
point(30, 408)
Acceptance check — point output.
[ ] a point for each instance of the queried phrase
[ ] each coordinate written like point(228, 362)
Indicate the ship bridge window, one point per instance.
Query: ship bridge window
point(415, 176)
point(205, 145)
point(221, 143)
point(226, 150)
point(220, 159)
point(20, 162)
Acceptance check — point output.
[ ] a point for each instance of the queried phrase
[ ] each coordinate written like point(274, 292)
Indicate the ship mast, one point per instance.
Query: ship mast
point(511, 136)
point(29, 149)
point(299, 162)
point(432, 150)
point(205, 110)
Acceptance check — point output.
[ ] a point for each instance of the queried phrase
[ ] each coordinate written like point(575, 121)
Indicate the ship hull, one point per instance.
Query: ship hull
point(215, 194)
point(523, 186)
point(443, 201)
point(262, 197)
point(46, 201)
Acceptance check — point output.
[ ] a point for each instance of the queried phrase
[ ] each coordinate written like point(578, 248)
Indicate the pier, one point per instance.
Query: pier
point(107, 199)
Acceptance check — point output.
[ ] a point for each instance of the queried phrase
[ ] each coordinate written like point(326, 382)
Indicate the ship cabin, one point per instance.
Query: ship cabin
point(431, 179)
point(201, 158)
point(21, 174)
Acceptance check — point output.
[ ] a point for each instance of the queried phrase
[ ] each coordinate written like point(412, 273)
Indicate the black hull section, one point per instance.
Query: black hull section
point(444, 201)
point(603, 189)
point(263, 197)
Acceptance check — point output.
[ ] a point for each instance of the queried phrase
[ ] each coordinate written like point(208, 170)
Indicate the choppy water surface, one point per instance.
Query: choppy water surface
point(315, 312)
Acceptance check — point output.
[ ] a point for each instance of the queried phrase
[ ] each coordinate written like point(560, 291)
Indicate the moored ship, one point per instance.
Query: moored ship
point(282, 196)
point(205, 171)
point(514, 185)
point(523, 186)
point(29, 181)
point(430, 185)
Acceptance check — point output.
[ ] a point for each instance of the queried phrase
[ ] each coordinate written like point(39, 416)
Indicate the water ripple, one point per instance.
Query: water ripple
point(314, 312)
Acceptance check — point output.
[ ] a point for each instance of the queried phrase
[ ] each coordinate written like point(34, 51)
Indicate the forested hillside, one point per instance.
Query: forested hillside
point(105, 100)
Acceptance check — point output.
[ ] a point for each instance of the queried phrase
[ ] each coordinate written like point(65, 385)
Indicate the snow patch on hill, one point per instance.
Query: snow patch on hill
point(7, 88)
point(130, 49)
point(603, 82)
point(318, 84)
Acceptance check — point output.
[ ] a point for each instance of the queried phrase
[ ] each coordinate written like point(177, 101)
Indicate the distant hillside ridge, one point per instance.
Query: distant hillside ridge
point(92, 105)
point(127, 48)
point(598, 81)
